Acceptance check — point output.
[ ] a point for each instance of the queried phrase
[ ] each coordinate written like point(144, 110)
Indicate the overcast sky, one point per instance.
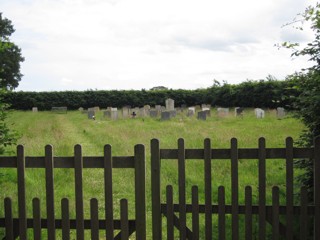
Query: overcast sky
point(139, 44)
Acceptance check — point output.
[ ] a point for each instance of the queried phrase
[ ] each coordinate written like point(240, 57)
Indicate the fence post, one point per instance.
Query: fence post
point(262, 188)
point(140, 191)
point(289, 190)
point(208, 189)
point(182, 188)
point(108, 191)
point(234, 189)
point(317, 187)
point(155, 190)
point(78, 165)
point(49, 164)
point(21, 192)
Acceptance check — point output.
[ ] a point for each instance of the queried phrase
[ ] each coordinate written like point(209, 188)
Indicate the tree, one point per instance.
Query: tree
point(10, 57)
point(307, 82)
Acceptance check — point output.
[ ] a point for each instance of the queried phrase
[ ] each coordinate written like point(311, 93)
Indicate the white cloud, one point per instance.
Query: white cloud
point(140, 44)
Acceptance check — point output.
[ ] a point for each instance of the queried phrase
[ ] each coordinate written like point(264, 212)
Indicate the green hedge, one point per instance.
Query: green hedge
point(264, 94)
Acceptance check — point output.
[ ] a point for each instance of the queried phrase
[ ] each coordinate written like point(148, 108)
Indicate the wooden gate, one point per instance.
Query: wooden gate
point(267, 214)
point(15, 227)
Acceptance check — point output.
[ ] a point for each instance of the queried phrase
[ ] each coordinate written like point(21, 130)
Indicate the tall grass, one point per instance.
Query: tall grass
point(63, 131)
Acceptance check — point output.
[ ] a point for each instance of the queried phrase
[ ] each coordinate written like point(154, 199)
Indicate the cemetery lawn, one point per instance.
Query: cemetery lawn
point(63, 131)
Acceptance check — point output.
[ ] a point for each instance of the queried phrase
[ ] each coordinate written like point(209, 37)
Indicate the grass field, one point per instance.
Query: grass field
point(63, 131)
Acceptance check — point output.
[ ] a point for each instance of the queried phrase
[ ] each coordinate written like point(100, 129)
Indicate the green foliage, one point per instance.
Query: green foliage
point(8, 137)
point(10, 57)
point(269, 93)
point(307, 82)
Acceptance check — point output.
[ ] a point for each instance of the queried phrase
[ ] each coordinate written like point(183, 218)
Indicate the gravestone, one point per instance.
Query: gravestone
point(91, 114)
point(259, 112)
point(158, 107)
point(114, 113)
point(191, 111)
point(280, 113)
point(238, 112)
point(153, 113)
point(169, 104)
point(223, 112)
point(205, 106)
point(80, 109)
point(34, 109)
point(207, 111)
point(202, 115)
point(165, 115)
point(96, 109)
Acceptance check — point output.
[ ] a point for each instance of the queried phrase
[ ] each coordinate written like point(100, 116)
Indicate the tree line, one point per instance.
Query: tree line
point(268, 93)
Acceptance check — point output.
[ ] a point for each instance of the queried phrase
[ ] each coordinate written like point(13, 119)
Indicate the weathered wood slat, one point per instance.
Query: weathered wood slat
point(50, 192)
point(195, 213)
point(304, 213)
point(208, 188)
point(71, 223)
point(262, 188)
point(169, 200)
point(21, 193)
point(140, 191)
point(221, 210)
point(243, 153)
point(78, 180)
point(248, 214)
point(241, 209)
point(36, 219)
point(68, 162)
point(65, 222)
point(275, 213)
point(155, 190)
point(94, 219)
point(182, 188)
point(124, 219)
point(8, 223)
point(108, 191)
point(234, 189)
point(289, 188)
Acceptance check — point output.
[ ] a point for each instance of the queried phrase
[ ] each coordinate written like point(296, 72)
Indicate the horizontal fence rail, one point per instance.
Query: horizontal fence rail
point(17, 226)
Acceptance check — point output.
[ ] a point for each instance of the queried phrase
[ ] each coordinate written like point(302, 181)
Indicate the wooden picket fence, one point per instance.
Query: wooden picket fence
point(17, 227)
point(176, 214)
point(266, 213)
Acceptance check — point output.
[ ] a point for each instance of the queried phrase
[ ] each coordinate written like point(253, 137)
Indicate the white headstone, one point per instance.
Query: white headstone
point(259, 112)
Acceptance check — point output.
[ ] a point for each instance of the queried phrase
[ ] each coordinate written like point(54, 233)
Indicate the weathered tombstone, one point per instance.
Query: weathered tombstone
point(205, 106)
point(165, 115)
point(202, 115)
point(280, 113)
point(114, 113)
point(34, 109)
point(259, 112)
point(207, 111)
point(80, 109)
point(96, 109)
point(147, 107)
point(158, 107)
point(153, 113)
point(238, 112)
point(91, 114)
point(191, 111)
point(223, 112)
point(169, 104)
